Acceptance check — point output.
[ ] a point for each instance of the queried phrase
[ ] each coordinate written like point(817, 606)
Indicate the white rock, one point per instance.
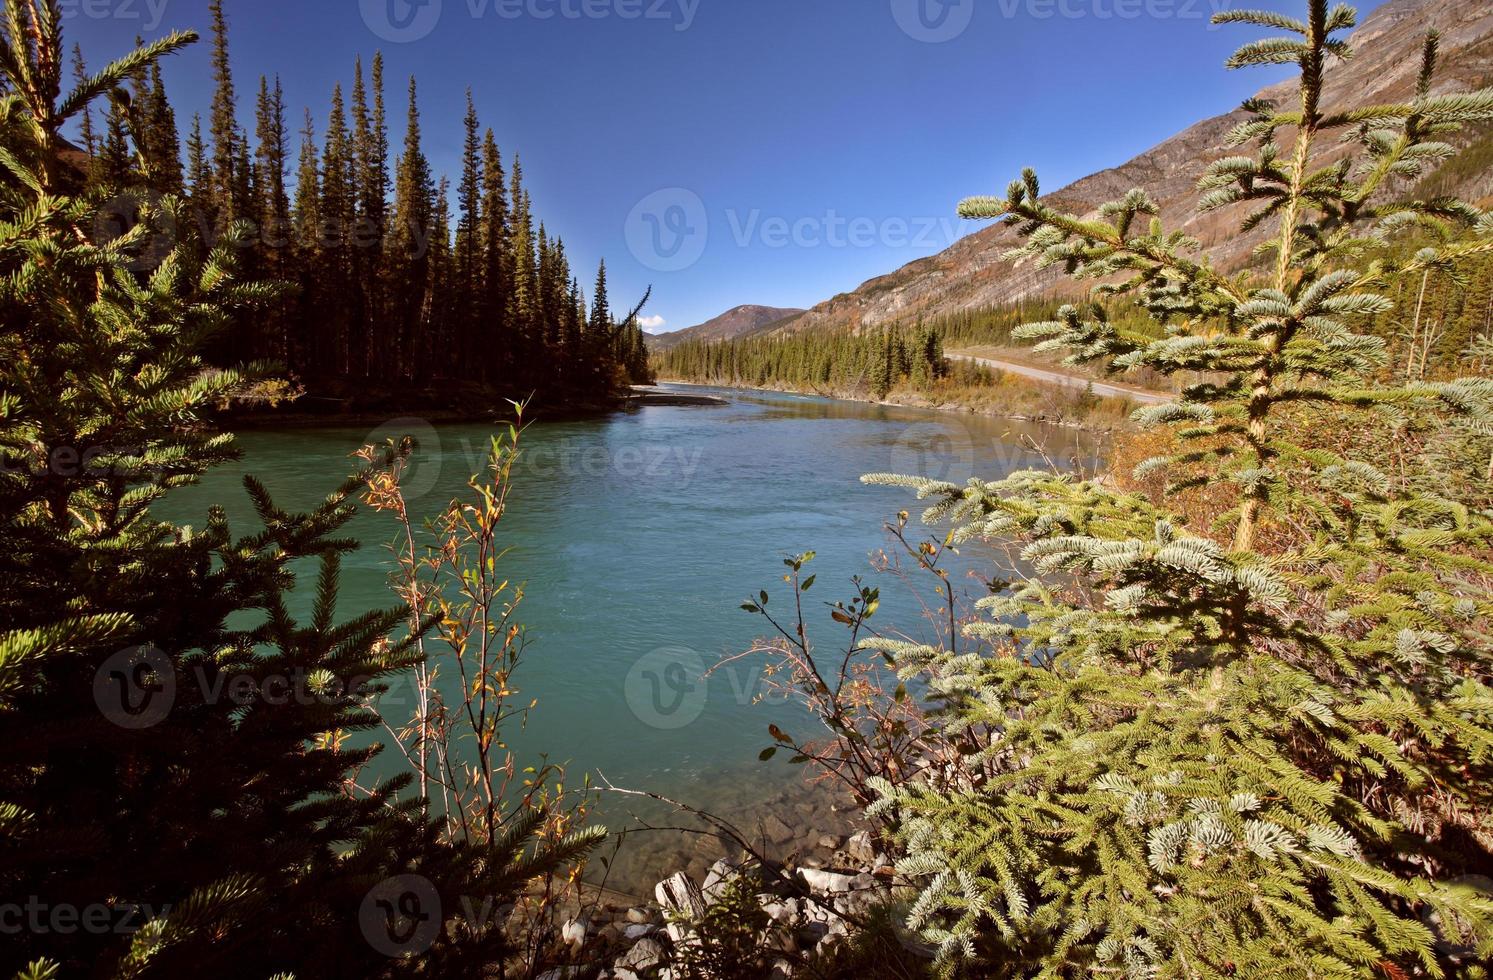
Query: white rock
point(681, 896)
point(573, 932)
point(717, 880)
point(826, 882)
point(861, 848)
point(635, 932)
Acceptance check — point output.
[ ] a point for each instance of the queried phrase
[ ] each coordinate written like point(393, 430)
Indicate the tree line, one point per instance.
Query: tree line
point(392, 289)
point(874, 362)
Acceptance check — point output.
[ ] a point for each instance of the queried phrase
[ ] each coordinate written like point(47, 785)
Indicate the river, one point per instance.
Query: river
point(639, 536)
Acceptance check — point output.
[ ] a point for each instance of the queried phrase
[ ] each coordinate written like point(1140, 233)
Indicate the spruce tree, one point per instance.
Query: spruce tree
point(1259, 746)
point(200, 180)
point(224, 127)
point(85, 118)
point(273, 208)
point(304, 350)
point(524, 326)
point(338, 212)
point(371, 149)
point(468, 272)
point(496, 262)
point(409, 244)
point(173, 737)
point(116, 164)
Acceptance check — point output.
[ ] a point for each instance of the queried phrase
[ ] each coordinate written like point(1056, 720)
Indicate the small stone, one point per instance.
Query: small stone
point(573, 932)
point(641, 916)
point(717, 880)
point(647, 954)
point(636, 932)
point(781, 970)
point(826, 882)
point(829, 842)
point(860, 848)
point(776, 830)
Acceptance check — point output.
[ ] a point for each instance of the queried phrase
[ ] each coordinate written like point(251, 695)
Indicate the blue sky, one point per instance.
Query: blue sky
point(741, 151)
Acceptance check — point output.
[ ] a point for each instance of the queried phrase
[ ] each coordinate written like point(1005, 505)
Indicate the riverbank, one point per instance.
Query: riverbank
point(456, 403)
point(1114, 417)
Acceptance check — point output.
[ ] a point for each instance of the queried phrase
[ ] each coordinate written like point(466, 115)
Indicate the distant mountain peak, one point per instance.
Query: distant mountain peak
point(739, 321)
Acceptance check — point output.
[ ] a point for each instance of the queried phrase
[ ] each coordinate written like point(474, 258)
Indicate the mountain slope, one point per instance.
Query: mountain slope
point(972, 274)
point(739, 322)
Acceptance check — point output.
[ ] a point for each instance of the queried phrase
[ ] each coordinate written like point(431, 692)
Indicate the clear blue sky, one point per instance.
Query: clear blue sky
point(801, 146)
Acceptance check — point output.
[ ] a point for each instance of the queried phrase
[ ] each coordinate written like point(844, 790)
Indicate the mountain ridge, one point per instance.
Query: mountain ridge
point(973, 274)
point(739, 321)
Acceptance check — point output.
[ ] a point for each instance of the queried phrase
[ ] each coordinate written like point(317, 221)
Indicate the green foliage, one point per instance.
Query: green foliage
point(1260, 748)
point(229, 814)
point(872, 362)
point(727, 942)
point(393, 299)
point(875, 949)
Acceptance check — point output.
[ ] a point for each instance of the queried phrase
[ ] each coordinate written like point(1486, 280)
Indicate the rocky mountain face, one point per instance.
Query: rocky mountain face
point(972, 274)
point(740, 322)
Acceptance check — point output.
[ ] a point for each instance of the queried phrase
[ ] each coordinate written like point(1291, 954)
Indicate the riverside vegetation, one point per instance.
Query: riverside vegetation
point(1224, 715)
point(906, 367)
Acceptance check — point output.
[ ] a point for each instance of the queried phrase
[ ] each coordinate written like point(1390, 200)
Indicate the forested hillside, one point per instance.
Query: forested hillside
point(408, 284)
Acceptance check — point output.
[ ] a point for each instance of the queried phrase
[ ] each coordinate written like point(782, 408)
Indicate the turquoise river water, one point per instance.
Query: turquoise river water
point(638, 537)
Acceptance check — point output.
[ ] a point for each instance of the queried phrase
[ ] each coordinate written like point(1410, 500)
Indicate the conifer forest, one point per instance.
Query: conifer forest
point(393, 585)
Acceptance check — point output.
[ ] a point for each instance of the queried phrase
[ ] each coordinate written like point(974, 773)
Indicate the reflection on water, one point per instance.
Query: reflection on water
point(638, 536)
